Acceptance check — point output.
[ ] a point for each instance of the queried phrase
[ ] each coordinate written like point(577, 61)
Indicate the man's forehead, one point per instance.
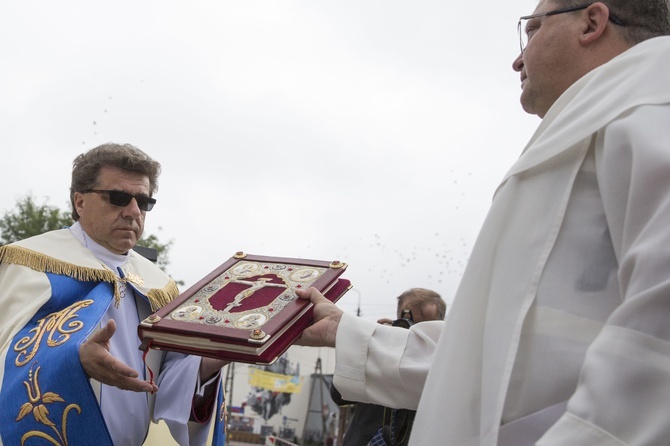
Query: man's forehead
point(110, 176)
point(545, 5)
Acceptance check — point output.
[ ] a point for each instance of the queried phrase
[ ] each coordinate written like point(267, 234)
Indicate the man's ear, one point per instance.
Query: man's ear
point(595, 19)
point(78, 201)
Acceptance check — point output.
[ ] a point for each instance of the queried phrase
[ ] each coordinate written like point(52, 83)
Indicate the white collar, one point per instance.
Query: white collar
point(112, 260)
point(597, 98)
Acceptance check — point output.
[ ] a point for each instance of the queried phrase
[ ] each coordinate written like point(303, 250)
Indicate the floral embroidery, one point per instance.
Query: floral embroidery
point(37, 405)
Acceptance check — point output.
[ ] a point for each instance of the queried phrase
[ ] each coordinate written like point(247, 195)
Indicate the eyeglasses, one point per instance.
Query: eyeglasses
point(523, 36)
point(120, 198)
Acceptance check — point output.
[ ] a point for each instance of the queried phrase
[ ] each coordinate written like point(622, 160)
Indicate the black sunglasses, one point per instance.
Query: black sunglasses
point(120, 198)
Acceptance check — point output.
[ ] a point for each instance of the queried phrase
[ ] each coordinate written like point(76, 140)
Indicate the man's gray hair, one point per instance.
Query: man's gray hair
point(86, 167)
point(641, 19)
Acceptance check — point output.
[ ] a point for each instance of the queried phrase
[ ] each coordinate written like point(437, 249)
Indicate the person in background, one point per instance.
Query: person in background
point(379, 425)
point(71, 300)
point(558, 333)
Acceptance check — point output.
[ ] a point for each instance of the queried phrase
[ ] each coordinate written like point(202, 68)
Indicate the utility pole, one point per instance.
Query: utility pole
point(228, 385)
point(321, 409)
point(358, 310)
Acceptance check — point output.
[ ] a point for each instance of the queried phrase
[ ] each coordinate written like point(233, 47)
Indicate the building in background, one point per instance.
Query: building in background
point(289, 399)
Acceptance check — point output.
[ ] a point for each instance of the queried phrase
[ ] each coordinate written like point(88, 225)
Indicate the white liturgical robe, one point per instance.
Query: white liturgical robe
point(37, 276)
point(566, 297)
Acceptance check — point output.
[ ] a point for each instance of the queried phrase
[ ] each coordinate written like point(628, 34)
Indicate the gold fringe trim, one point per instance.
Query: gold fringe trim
point(158, 298)
point(45, 264)
point(42, 263)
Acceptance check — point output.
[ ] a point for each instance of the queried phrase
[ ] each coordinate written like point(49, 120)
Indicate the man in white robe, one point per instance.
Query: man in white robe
point(71, 371)
point(559, 333)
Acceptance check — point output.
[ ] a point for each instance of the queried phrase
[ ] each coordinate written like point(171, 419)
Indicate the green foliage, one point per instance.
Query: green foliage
point(31, 219)
point(151, 241)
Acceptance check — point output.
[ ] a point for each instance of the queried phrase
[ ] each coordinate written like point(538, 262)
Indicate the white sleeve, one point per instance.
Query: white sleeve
point(622, 395)
point(177, 384)
point(382, 364)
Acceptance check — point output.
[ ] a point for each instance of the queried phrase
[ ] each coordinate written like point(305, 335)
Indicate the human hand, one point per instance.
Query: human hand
point(327, 315)
point(100, 365)
point(210, 367)
point(385, 321)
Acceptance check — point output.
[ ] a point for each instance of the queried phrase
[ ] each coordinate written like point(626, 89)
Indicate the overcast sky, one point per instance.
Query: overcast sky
point(372, 132)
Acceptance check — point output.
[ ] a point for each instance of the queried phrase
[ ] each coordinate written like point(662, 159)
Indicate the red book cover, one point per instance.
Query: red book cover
point(246, 310)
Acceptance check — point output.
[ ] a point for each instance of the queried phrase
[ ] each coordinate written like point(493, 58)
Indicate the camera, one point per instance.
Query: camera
point(406, 319)
point(403, 322)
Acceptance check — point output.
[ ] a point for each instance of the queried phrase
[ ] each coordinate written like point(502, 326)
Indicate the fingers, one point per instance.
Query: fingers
point(137, 385)
point(120, 375)
point(116, 373)
point(110, 328)
point(312, 294)
point(118, 368)
point(326, 320)
point(100, 365)
point(104, 335)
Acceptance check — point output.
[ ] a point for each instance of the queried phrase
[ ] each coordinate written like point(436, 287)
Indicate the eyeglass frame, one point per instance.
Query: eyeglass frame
point(144, 202)
point(613, 18)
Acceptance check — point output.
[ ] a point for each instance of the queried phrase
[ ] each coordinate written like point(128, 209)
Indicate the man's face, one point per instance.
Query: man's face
point(117, 228)
point(547, 65)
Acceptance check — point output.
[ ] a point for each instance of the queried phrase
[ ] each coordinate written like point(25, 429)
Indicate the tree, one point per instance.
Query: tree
point(151, 241)
point(30, 218)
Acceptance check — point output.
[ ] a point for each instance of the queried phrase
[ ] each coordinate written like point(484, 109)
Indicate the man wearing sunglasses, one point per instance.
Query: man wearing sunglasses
point(71, 371)
point(559, 333)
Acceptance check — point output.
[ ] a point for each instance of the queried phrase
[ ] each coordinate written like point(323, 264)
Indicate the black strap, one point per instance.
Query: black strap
point(404, 419)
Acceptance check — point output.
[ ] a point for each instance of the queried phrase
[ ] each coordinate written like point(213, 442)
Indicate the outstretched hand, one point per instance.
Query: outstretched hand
point(327, 317)
point(100, 365)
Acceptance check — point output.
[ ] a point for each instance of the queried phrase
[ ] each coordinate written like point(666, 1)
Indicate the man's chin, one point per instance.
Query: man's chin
point(527, 107)
point(123, 246)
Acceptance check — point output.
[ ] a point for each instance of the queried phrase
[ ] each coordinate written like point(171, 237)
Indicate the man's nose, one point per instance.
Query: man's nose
point(517, 65)
point(132, 209)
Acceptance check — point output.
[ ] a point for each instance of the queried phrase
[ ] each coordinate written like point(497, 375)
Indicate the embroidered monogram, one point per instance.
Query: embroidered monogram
point(59, 326)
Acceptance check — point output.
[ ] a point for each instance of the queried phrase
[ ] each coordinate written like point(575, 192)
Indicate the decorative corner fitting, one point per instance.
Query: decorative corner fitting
point(152, 319)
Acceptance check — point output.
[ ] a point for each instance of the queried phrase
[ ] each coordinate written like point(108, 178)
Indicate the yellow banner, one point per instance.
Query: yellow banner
point(275, 381)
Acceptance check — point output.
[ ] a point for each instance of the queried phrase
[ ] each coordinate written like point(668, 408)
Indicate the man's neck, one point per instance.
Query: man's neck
point(112, 260)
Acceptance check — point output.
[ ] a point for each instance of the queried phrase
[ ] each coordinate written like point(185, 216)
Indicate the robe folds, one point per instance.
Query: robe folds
point(53, 294)
point(561, 319)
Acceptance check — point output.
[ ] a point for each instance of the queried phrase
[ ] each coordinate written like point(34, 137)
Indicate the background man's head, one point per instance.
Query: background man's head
point(563, 47)
point(636, 20)
point(424, 305)
point(111, 191)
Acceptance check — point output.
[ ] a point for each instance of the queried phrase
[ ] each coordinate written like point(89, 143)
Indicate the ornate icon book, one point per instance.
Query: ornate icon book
point(246, 310)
